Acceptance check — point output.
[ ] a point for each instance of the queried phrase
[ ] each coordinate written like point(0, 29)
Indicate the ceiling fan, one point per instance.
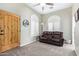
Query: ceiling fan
point(43, 4)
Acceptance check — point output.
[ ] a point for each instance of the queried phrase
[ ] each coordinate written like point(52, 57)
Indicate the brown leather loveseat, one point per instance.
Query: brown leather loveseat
point(55, 38)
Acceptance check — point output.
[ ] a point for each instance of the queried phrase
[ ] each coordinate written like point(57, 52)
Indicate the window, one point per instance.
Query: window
point(54, 23)
point(50, 26)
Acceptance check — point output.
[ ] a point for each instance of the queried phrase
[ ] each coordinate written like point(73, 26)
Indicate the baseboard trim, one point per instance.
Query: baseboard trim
point(27, 43)
point(76, 53)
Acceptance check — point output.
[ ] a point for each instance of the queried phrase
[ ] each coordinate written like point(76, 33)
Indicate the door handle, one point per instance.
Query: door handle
point(1, 32)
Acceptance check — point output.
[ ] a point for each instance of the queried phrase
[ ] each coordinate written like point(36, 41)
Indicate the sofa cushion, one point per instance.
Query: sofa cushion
point(56, 40)
point(57, 36)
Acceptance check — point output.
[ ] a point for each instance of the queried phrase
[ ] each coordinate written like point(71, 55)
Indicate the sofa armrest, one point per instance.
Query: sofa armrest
point(62, 40)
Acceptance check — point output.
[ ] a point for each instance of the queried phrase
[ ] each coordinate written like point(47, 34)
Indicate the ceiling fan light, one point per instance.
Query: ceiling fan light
point(42, 8)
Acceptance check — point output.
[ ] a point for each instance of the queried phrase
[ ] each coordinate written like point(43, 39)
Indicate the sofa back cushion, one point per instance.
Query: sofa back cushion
point(58, 34)
point(47, 33)
point(55, 34)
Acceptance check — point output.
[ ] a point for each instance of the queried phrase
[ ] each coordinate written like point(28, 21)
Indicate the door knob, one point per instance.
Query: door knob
point(1, 32)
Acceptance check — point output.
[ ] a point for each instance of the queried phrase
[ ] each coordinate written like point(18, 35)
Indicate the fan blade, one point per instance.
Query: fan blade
point(42, 8)
point(50, 4)
point(36, 4)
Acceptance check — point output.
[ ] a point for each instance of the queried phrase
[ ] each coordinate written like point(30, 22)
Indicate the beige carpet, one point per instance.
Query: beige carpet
point(40, 49)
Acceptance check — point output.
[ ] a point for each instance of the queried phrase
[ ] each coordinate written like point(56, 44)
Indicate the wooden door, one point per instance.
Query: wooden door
point(7, 34)
point(15, 31)
point(2, 31)
point(10, 26)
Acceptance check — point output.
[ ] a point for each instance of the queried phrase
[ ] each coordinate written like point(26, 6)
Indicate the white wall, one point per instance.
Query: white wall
point(66, 21)
point(25, 13)
point(75, 29)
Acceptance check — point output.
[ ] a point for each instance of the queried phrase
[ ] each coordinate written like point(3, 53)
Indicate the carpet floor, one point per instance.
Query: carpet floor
point(40, 49)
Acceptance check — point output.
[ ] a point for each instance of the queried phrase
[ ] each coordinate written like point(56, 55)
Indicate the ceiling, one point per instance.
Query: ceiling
point(56, 7)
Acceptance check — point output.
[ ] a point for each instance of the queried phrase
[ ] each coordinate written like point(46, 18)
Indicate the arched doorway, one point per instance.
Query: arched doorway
point(34, 26)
